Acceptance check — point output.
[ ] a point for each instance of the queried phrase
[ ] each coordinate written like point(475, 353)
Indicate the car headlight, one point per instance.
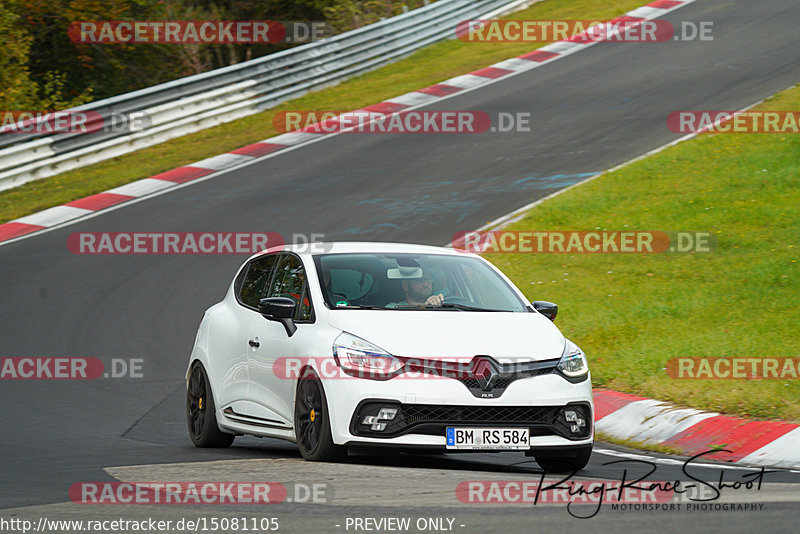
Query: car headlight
point(358, 357)
point(573, 362)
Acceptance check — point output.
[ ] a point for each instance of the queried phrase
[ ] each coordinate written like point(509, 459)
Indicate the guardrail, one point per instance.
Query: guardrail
point(196, 102)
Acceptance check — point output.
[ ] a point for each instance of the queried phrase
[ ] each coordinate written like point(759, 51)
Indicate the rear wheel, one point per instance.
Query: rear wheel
point(201, 413)
point(312, 424)
point(563, 460)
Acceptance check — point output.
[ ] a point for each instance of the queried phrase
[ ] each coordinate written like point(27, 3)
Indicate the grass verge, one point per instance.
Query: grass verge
point(631, 444)
point(426, 67)
point(631, 313)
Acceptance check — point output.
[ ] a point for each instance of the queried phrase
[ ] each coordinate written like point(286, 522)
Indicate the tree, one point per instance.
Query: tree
point(347, 15)
point(18, 90)
point(41, 66)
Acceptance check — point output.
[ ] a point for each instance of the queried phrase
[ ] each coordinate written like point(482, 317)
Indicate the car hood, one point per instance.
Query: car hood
point(507, 337)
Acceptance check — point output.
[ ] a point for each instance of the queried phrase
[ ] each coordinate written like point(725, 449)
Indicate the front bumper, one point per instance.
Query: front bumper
point(427, 406)
point(433, 419)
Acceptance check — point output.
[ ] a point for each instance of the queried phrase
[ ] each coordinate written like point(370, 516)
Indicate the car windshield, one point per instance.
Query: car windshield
point(414, 282)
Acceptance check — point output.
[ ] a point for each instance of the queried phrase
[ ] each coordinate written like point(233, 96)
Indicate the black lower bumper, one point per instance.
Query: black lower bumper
point(433, 419)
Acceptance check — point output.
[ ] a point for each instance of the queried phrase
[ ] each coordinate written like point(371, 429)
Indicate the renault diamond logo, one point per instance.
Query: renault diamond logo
point(485, 372)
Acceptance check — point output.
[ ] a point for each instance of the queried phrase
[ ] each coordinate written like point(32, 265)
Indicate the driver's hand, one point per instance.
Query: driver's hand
point(435, 300)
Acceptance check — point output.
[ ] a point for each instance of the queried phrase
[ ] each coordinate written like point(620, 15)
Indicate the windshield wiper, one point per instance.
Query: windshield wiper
point(358, 307)
point(465, 307)
point(446, 306)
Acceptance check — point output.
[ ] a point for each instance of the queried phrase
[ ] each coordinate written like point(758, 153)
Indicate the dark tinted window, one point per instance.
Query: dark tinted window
point(256, 277)
point(290, 281)
point(387, 280)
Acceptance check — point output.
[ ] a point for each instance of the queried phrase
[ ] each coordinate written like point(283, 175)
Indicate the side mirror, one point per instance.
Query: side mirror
point(280, 309)
point(548, 309)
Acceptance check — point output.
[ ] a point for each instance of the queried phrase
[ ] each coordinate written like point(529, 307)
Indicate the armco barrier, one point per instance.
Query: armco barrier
point(196, 102)
point(79, 209)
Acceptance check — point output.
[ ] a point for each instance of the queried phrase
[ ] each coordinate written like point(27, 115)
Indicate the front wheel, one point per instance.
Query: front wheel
point(312, 423)
point(201, 413)
point(563, 461)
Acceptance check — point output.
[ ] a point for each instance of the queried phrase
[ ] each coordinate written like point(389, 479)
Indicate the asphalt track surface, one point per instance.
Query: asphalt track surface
point(592, 110)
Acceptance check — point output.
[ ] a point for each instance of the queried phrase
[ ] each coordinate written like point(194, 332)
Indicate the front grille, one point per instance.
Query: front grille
point(505, 380)
point(432, 419)
point(419, 413)
point(507, 373)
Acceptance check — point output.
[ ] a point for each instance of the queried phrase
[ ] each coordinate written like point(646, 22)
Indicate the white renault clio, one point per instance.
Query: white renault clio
point(404, 346)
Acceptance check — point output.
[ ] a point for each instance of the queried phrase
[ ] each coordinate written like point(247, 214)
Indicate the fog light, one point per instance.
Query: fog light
point(387, 413)
point(379, 421)
point(575, 422)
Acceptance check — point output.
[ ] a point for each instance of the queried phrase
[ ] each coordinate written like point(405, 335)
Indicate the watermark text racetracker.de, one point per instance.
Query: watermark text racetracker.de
point(68, 368)
point(197, 31)
point(753, 121)
point(582, 242)
point(198, 492)
point(726, 368)
point(582, 31)
point(402, 122)
point(149, 525)
point(98, 243)
point(344, 366)
point(18, 122)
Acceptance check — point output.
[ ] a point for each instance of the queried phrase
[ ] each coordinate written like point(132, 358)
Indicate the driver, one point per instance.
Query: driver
point(419, 292)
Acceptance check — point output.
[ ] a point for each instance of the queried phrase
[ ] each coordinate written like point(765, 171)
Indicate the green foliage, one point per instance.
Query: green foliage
point(15, 87)
point(38, 56)
point(350, 14)
point(18, 89)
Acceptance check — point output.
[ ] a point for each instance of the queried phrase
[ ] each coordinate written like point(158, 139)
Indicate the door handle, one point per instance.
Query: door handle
point(253, 343)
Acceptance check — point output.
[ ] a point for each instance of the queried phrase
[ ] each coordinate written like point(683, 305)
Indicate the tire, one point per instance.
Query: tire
point(564, 460)
point(201, 412)
point(312, 424)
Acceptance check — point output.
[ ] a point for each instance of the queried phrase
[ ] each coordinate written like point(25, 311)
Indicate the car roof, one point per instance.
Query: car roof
point(342, 247)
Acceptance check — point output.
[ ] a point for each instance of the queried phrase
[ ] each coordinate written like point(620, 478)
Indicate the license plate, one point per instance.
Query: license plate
point(504, 439)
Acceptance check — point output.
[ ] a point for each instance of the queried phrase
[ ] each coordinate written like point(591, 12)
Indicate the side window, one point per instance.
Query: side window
point(290, 281)
point(256, 277)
